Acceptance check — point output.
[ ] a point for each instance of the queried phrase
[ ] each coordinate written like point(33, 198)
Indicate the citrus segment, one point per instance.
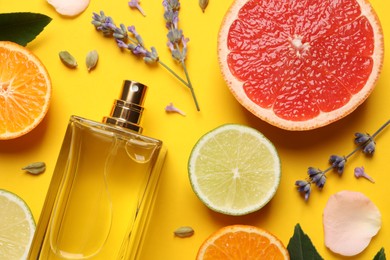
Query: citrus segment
point(17, 226)
point(234, 169)
point(300, 65)
point(25, 90)
point(242, 242)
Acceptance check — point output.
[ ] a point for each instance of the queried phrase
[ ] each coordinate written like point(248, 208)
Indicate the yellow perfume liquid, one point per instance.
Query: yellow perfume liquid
point(103, 187)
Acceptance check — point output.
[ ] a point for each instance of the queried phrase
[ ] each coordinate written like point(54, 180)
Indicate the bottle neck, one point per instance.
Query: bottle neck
point(127, 110)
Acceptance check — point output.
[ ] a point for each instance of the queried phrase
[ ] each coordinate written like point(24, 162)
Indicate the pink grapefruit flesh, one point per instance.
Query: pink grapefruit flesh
point(300, 65)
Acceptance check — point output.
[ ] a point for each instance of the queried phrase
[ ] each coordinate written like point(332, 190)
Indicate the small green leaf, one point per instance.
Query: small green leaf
point(380, 255)
point(300, 246)
point(22, 27)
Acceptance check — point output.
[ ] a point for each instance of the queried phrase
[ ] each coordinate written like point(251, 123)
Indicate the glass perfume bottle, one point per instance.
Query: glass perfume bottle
point(103, 186)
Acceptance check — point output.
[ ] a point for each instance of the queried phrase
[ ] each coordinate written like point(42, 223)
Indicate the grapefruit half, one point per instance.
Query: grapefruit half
point(300, 65)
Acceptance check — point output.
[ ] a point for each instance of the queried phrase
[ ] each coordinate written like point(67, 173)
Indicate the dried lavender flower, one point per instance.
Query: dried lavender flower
point(177, 42)
point(338, 163)
point(317, 176)
point(130, 39)
point(136, 4)
point(359, 172)
point(364, 142)
point(304, 187)
point(172, 108)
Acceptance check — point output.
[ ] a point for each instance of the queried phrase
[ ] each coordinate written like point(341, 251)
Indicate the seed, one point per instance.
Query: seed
point(92, 59)
point(184, 232)
point(203, 4)
point(35, 168)
point(68, 59)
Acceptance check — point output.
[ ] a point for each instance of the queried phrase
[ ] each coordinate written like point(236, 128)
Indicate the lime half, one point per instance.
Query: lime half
point(17, 226)
point(234, 169)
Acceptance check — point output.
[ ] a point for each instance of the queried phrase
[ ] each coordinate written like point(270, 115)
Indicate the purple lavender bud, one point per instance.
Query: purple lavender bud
point(313, 171)
point(304, 187)
point(139, 50)
point(337, 162)
point(369, 148)
point(361, 138)
point(132, 30)
point(121, 44)
point(175, 35)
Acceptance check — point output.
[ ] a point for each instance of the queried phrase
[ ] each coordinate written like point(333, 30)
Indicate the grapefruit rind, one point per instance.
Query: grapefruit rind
point(241, 228)
point(324, 118)
point(227, 210)
point(42, 71)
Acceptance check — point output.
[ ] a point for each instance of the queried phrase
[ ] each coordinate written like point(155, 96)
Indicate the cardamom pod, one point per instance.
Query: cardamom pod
point(35, 168)
point(184, 232)
point(203, 4)
point(68, 59)
point(92, 59)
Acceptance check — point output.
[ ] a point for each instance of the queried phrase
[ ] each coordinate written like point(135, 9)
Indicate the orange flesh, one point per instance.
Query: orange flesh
point(23, 92)
point(301, 57)
point(243, 245)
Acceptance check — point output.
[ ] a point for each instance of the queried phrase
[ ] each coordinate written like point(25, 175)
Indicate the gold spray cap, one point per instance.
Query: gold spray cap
point(127, 110)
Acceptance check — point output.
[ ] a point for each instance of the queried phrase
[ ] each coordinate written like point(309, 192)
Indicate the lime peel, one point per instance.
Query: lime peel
point(234, 169)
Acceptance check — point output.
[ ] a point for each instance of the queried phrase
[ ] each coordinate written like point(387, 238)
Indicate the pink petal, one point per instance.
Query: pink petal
point(350, 221)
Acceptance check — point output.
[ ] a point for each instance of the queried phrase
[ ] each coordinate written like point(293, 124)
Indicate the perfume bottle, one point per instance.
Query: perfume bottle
point(103, 187)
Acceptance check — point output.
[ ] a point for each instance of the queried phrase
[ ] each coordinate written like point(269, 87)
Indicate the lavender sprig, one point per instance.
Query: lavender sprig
point(128, 38)
point(177, 42)
point(364, 142)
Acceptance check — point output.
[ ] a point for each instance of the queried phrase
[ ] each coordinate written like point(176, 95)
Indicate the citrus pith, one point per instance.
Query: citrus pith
point(234, 169)
point(300, 65)
point(25, 90)
point(242, 242)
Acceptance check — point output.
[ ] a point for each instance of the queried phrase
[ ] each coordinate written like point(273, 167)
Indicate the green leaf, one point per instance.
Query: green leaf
point(300, 246)
point(22, 27)
point(380, 255)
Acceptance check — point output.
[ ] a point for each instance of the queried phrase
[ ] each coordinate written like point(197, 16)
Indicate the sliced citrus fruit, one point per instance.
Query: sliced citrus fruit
point(17, 226)
point(25, 90)
point(242, 242)
point(234, 169)
point(300, 65)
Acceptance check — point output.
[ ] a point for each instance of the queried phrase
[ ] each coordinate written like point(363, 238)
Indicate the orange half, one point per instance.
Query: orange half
point(301, 65)
point(238, 242)
point(25, 90)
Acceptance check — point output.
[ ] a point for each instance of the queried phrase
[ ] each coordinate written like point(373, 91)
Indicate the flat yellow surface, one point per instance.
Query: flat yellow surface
point(91, 94)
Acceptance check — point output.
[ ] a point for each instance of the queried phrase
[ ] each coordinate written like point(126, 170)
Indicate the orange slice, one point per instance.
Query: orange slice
point(25, 90)
point(242, 242)
point(300, 65)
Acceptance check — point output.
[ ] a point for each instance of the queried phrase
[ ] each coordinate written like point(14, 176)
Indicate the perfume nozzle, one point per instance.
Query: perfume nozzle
point(127, 110)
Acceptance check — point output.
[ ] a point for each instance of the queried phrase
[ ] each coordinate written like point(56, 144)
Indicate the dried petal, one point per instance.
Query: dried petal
point(350, 221)
point(69, 7)
point(172, 108)
point(359, 172)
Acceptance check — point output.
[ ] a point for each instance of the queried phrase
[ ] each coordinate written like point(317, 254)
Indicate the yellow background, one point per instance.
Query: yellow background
point(91, 94)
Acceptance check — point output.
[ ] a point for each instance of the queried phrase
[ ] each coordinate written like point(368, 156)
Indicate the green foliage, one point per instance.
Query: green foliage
point(380, 255)
point(22, 27)
point(300, 246)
